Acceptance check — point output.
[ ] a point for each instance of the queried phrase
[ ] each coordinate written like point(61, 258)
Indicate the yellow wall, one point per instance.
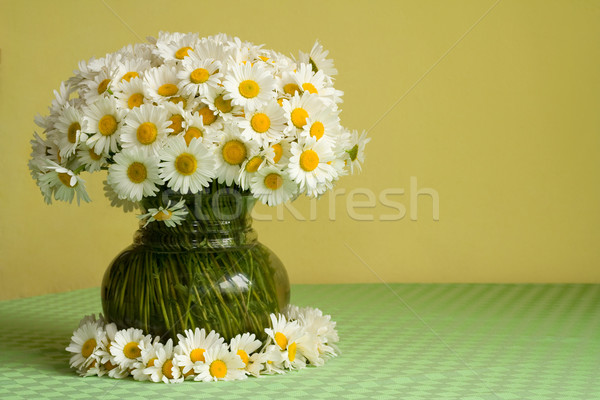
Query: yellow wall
point(505, 127)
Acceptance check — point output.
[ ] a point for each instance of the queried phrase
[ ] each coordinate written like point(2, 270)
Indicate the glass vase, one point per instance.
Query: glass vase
point(209, 271)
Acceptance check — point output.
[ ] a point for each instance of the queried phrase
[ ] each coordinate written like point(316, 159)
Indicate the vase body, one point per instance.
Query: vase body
point(209, 271)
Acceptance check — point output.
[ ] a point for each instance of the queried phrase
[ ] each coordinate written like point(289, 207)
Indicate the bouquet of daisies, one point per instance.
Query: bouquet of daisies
point(184, 113)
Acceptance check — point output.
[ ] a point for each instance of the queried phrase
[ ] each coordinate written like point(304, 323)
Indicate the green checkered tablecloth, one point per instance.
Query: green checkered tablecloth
point(399, 341)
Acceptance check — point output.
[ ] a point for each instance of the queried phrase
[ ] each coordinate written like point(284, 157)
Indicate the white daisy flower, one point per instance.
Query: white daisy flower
point(146, 128)
point(213, 47)
point(249, 168)
point(164, 368)
point(325, 125)
point(267, 362)
point(64, 183)
point(99, 87)
point(194, 345)
point(298, 109)
point(322, 328)
point(231, 153)
point(134, 174)
point(286, 335)
point(131, 93)
point(125, 348)
point(84, 345)
point(215, 99)
point(103, 122)
point(356, 153)
point(149, 356)
point(279, 153)
point(244, 346)
point(220, 364)
point(249, 86)
point(187, 168)
point(175, 47)
point(264, 125)
point(310, 165)
point(38, 156)
point(209, 117)
point(309, 81)
point(195, 129)
point(68, 130)
point(89, 159)
point(114, 369)
point(162, 83)
point(115, 201)
point(171, 215)
point(272, 186)
point(176, 115)
point(130, 68)
point(199, 75)
point(317, 58)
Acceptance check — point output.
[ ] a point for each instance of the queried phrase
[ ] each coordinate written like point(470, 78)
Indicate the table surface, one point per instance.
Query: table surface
point(408, 341)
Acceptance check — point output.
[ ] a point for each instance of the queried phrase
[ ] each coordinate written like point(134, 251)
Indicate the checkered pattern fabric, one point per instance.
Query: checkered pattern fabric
point(408, 341)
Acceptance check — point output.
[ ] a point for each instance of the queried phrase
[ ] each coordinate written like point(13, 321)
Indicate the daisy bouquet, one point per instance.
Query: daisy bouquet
point(192, 131)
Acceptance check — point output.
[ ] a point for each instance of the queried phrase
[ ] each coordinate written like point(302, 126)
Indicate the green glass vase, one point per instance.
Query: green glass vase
point(209, 271)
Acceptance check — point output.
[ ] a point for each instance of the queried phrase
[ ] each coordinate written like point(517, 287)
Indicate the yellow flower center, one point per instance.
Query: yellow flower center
point(186, 164)
point(290, 88)
point(146, 133)
point(176, 124)
point(163, 215)
point(309, 160)
point(234, 152)
point(109, 366)
point(199, 75)
point(292, 352)
point(168, 89)
point(309, 87)
point(223, 105)
point(278, 148)
point(103, 86)
point(88, 347)
point(151, 362)
point(167, 369)
point(274, 181)
point(249, 89)
point(132, 350)
point(135, 100)
point(182, 52)
point(66, 179)
point(264, 58)
point(260, 122)
point(299, 116)
point(253, 164)
point(191, 133)
point(317, 129)
point(218, 369)
point(208, 117)
point(72, 132)
point(107, 125)
point(197, 355)
point(179, 99)
point(243, 355)
point(281, 340)
point(93, 155)
point(137, 172)
point(130, 75)
point(280, 102)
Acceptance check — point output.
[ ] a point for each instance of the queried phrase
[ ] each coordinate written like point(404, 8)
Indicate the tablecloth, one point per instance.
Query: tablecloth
point(398, 341)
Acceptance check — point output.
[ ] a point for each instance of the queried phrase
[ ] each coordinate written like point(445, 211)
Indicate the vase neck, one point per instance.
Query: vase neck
point(212, 220)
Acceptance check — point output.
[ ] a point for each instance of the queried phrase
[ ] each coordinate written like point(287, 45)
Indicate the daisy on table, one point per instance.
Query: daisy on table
point(193, 345)
point(286, 335)
point(125, 347)
point(219, 364)
point(310, 166)
point(85, 342)
point(186, 169)
point(163, 367)
point(244, 346)
point(149, 357)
